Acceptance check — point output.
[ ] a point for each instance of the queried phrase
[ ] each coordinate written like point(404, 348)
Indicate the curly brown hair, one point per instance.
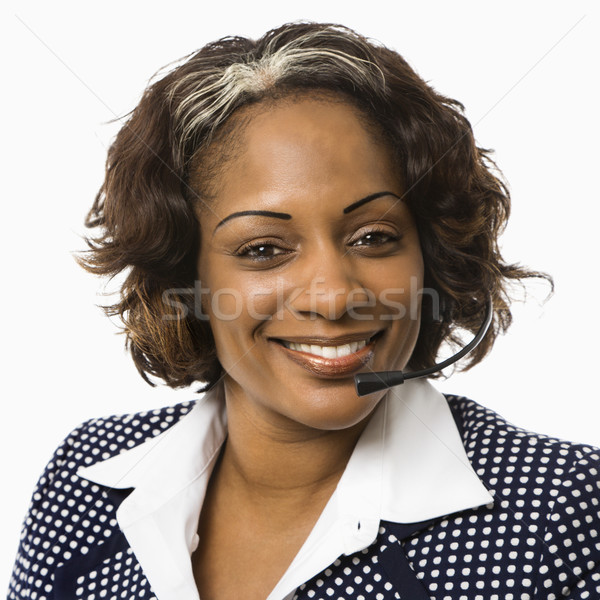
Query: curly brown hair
point(159, 172)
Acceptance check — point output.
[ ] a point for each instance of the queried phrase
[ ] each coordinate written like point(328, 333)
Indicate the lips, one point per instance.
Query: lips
point(331, 358)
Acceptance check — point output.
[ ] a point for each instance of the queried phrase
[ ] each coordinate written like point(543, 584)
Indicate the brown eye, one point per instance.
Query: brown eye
point(375, 238)
point(261, 251)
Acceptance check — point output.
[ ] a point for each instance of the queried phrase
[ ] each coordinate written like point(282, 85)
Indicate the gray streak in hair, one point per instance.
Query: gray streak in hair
point(207, 99)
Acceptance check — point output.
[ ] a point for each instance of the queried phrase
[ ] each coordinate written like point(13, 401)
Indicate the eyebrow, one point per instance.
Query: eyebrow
point(362, 201)
point(287, 217)
point(260, 213)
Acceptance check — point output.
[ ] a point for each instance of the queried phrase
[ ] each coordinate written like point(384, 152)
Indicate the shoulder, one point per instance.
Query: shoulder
point(546, 497)
point(495, 445)
point(68, 515)
point(102, 438)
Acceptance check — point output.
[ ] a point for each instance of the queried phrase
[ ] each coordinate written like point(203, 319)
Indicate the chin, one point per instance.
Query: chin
point(334, 409)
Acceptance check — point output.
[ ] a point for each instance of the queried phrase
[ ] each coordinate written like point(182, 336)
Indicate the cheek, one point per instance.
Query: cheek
point(399, 280)
point(226, 305)
point(249, 301)
point(238, 312)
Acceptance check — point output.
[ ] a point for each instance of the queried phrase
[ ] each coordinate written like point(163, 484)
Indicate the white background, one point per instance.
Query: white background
point(528, 76)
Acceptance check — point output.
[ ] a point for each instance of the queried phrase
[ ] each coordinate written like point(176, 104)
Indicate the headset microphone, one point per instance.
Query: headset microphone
point(367, 383)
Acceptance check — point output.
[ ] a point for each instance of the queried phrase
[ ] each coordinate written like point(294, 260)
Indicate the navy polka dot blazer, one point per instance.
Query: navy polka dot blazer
point(540, 539)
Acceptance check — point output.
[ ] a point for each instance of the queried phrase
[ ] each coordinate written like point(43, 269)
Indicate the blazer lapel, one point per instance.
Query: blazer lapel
point(394, 562)
point(69, 576)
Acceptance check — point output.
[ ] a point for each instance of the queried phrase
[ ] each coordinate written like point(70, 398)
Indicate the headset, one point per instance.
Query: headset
point(368, 383)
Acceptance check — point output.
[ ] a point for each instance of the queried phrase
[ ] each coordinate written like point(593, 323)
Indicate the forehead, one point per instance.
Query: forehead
point(294, 146)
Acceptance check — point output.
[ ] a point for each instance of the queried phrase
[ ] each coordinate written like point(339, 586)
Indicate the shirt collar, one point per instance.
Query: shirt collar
point(169, 474)
point(424, 470)
point(409, 465)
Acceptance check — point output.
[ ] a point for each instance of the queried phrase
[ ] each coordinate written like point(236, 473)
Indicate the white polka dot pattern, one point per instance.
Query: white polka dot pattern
point(359, 576)
point(115, 578)
point(539, 540)
point(70, 517)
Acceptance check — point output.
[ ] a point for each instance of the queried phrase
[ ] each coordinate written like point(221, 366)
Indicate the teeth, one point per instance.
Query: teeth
point(344, 350)
point(327, 351)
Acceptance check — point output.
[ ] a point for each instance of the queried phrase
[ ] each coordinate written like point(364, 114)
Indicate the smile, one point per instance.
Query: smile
point(343, 358)
point(327, 351)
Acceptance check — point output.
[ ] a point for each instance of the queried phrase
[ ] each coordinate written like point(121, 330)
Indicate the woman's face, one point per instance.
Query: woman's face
point(304, 284)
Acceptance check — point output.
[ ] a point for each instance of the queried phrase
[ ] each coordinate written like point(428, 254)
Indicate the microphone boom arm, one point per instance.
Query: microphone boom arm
point(368, 383)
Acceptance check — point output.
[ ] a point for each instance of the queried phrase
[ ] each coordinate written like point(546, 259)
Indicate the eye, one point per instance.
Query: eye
point(261, 251)
point(375, 238)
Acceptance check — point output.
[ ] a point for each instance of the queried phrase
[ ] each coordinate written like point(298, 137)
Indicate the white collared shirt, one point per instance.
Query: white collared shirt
point(409, 465)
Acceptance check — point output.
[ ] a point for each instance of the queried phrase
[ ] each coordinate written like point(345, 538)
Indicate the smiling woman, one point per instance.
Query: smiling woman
point(290, 212)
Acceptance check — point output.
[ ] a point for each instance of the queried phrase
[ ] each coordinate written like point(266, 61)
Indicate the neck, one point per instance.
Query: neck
point(270, 458)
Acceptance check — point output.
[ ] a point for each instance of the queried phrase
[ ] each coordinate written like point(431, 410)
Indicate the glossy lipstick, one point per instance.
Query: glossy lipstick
point(337, 366)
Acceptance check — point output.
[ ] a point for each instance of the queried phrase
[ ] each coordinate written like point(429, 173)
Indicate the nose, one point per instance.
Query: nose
point(327, 285)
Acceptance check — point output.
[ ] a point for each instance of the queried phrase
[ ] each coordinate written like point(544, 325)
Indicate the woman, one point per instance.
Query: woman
point(288, 213)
